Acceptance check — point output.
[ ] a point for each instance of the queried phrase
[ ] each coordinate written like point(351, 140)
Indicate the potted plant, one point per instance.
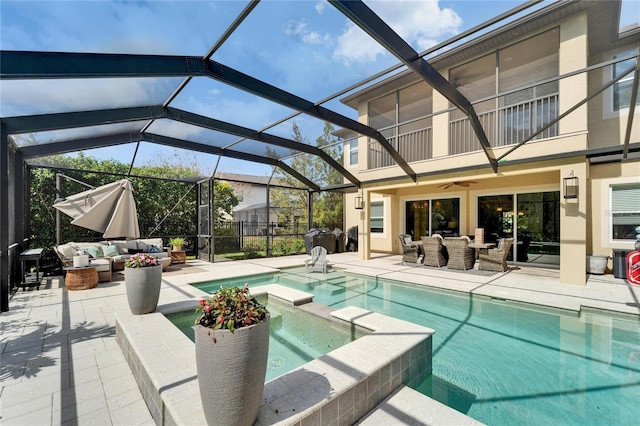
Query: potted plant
point(142, 278)
point(176, 243)
point(232, 347)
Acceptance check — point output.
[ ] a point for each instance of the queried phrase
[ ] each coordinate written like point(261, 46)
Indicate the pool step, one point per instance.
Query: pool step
point(406, 406)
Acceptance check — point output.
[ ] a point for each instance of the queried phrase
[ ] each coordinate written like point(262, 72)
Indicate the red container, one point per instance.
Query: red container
point(633, 267)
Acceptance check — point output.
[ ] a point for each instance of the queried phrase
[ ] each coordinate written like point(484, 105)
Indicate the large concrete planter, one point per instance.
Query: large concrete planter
point(143, 288)
point(231, 371)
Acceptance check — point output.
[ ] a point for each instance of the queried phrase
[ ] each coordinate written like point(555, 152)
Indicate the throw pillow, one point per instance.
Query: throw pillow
point(68, 250)
point(110, 251)
point(153, 249)
point(94, 252)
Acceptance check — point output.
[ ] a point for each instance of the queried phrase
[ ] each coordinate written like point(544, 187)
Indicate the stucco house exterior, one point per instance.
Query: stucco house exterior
point(552, 91)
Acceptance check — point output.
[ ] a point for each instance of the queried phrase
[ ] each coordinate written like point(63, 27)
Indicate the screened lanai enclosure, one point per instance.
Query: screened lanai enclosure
point(230, 118)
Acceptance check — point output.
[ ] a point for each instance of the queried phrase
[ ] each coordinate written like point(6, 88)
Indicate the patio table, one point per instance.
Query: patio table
point(481, 246)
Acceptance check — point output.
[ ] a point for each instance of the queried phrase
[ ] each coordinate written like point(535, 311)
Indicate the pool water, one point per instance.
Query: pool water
point(296, 337)
point(499, 362)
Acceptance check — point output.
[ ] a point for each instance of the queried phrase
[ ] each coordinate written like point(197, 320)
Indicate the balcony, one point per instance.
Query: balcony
point(506, 126)
point(412, 146)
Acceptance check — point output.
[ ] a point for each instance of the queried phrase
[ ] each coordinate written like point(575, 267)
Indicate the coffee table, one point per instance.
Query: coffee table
point(82, 278)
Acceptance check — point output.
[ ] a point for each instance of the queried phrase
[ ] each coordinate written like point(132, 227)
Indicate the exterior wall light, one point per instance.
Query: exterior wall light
point(359, 202)
point(571, 187)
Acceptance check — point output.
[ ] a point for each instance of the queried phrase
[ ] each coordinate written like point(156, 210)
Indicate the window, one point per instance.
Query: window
point(377, 217)
point(622, 89)
point(353, 152)
point(429, 217)
point(625, 211)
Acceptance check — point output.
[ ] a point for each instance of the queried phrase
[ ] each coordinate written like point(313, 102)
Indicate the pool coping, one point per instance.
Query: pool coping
point(339, 387)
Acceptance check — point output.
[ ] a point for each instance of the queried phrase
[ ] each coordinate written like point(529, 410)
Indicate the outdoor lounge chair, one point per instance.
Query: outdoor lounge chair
point(410, 252)
point(318, 261)
point(461, 256)
point(434, 251)
point(495, 259)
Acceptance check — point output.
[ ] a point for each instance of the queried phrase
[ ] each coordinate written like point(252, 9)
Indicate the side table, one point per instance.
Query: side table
point(178, 256)
point(25, 256)
point(82, 278)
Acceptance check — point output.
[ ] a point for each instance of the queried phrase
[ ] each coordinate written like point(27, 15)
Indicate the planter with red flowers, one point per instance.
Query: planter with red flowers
point(232, 347)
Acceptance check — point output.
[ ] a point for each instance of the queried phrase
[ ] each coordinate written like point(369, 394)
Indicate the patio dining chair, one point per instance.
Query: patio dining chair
point(461, 256)
point(410, 252)
point(495, 259)
point(318, 261)
point(434, 251)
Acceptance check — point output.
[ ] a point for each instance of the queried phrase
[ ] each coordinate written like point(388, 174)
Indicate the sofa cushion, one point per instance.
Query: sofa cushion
point(101, 265)
point(123, 257)
point(122, 245)
point(144, 244)
point(154, 249)
point(94, 252)
point(110, 250)
point(68, 250)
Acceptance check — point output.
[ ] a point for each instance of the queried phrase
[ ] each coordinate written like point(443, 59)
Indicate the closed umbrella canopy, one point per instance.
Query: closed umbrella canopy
point(109, 209)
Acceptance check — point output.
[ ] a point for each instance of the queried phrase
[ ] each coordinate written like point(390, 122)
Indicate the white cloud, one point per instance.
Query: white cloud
point(295, 27)
point(320, 6)
point(420, 23)
point(354, 45)
point(315, 38)
point(300, 29)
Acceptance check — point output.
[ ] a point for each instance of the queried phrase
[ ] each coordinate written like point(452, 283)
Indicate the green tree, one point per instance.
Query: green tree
point(327, 207)
point(165, 207)
point(224, 200)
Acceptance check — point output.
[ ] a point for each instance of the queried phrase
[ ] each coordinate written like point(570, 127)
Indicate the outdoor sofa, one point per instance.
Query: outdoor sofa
point(108, 256)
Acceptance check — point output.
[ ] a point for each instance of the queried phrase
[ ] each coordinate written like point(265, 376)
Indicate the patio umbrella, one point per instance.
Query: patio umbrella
point(109, 209)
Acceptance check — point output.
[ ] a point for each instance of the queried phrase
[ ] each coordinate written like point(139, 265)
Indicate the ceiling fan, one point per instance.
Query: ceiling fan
point(464, 183)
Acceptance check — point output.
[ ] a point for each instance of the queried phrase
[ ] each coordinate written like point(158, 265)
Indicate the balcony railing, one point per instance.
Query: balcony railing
point(504, 126)
point(510, 125)
point(412, 146)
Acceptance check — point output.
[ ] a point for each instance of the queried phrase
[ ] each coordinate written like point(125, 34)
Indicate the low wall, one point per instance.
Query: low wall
point(341, 386)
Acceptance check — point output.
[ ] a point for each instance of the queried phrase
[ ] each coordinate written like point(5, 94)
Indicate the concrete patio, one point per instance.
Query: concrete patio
point(60, 363)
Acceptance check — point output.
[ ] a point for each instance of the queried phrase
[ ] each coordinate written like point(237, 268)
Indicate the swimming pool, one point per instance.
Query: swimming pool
point(296, 337)
point(500, 362)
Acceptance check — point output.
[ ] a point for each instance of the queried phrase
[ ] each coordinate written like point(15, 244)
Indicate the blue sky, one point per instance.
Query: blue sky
point(305, 47)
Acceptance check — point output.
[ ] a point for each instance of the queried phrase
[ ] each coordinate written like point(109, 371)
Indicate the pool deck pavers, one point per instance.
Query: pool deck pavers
point(60, 363)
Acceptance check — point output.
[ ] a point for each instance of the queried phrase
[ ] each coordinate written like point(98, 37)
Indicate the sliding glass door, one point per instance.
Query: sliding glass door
point(538, 226)
point(429, 217)
point(495, 215)
point(533, 219)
